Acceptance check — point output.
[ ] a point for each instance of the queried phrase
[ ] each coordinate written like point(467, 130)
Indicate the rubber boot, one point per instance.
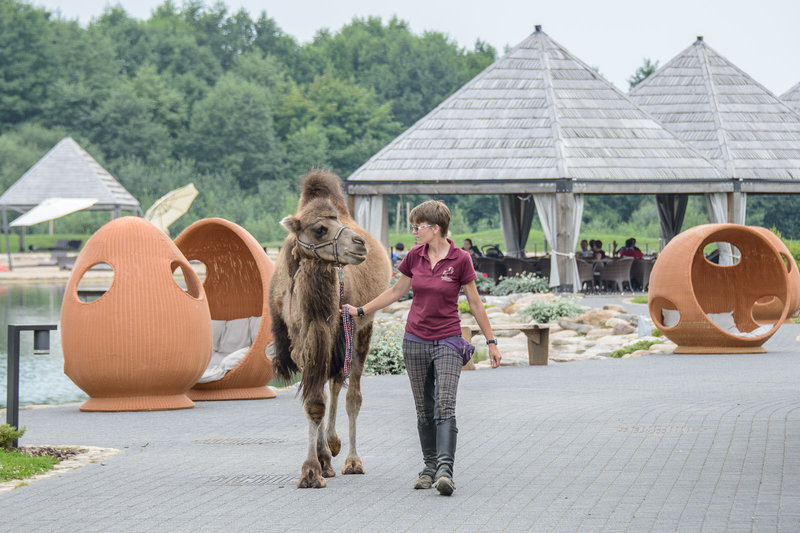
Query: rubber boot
point(427, 439)
point(446, 437)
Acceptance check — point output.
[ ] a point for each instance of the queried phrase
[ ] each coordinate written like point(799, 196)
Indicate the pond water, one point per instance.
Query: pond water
point(41, 378)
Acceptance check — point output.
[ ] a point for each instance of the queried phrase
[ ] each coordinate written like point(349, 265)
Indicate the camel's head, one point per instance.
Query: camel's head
point(320, 235)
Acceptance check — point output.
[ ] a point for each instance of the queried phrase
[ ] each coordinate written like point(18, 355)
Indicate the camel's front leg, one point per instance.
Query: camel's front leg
point(311, 472)
point(352, 465)
point(334, 443)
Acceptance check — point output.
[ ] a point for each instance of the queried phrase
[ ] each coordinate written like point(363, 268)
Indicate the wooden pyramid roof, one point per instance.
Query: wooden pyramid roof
point(67, 171)
point(709, 102)
point(533, 118)
point(792, 97)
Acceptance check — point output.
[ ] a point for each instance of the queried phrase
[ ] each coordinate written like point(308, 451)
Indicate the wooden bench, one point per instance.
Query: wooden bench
point(538, 339)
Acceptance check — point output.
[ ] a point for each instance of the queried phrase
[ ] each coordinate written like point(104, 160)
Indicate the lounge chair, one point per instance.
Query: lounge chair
point(704, 307)
point(238, 274)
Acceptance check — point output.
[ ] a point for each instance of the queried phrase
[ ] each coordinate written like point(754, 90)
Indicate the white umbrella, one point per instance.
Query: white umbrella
point(171, 207)
point(52, 208)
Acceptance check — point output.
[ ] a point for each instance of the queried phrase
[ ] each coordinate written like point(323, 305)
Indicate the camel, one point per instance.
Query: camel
point(306, 323)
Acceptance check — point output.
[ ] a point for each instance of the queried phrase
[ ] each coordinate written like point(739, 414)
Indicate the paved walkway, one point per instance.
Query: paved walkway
point(657, 443)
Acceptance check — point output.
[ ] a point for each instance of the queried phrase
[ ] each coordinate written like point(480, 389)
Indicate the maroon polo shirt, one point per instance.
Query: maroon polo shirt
point(434, 307)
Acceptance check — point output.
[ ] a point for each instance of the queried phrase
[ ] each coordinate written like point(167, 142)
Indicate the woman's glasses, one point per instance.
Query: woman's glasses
point(421, 226)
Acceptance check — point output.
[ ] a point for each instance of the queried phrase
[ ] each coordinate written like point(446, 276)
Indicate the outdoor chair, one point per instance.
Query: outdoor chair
point(640, 273)
point(616, 274)
point(768, 309)
point(145, 341)
point(585, 274)
point(493, 268)
point(543, 267)
point(516, 266)
point(238, 274)
point(705, 307)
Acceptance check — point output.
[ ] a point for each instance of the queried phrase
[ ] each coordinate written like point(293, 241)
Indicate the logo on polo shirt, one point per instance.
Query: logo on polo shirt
point(447, 273)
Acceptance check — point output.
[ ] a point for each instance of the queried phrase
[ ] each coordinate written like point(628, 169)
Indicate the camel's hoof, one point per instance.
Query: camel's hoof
point(352, 466)
point(335, 444)
point(328, 471)
point(307, 483)
point(311, 476)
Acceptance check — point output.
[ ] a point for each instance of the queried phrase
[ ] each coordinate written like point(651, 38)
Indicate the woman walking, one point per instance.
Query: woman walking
point(436, 270)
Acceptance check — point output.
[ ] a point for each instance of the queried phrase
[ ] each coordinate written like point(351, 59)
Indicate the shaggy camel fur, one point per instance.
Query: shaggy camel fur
point(306, 323)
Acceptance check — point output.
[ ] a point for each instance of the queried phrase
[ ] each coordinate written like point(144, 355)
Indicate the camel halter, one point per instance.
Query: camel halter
point(330, 242)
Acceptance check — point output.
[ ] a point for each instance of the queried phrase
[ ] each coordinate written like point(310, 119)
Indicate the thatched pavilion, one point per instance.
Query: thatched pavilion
point(540, 127)
point(792, 97)
point(751, 135)
point(66, 171)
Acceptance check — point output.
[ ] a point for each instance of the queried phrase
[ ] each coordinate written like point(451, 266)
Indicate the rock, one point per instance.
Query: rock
point(563, 333)
point(616, 321)
point(600, 332)
point(562, 341)
point(614, 307)
point(637, 353)
point(502, 318)
point(662, 348)
point(583, 329)
point(629, 318)
point(623, 329)
point(595, 317)
point(494, 311)
point(568, 324)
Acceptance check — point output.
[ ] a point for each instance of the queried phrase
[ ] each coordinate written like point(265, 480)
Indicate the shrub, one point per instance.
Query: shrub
point(463, 306)
point(655, 332)
point(639, 345)
point(386, 351)
point(484, 283)
point(9, 434)
point(525, 282)
point(544, 312)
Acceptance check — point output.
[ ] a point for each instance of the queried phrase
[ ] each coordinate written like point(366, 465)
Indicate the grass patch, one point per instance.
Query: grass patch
point(18, 465)
point(639, 300)
point(639, 345)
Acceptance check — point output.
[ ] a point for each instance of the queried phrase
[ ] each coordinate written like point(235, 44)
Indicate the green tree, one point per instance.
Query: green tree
point(24, 65)
point(647, 68)
point(413, 73)
point(355, 124)
point(231, 131)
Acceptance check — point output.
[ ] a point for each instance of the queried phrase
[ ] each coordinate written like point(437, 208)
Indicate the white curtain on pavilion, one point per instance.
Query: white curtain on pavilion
point(370, 214)
point(717, 204)
point(547, 208)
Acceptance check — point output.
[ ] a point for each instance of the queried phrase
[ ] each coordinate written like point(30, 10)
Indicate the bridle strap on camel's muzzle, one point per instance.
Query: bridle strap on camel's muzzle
point(330, 242)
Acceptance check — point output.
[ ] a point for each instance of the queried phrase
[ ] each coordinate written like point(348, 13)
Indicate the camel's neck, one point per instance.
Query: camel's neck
point(316, 288)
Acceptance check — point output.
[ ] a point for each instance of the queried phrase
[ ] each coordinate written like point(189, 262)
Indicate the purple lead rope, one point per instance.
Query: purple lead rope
point(349, 327)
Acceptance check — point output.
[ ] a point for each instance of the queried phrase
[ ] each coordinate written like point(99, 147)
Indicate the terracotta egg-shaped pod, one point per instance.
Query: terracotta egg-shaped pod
point(705, 307)
point(768, 309)
point(237, 279)
point(146, 341)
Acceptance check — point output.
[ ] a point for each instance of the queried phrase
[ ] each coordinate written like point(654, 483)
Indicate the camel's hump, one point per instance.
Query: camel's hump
point(323, 184)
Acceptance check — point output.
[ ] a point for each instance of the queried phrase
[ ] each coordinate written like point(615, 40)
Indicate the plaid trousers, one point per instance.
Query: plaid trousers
point(433, 370)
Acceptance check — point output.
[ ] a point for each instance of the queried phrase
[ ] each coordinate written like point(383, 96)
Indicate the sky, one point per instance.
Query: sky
point(615, 36)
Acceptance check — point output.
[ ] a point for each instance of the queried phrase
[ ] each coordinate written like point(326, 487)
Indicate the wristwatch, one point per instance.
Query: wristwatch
point(493, 341)
point(360, 311)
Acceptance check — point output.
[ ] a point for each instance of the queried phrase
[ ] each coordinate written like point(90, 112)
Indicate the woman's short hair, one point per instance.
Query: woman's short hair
point(432, 212)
